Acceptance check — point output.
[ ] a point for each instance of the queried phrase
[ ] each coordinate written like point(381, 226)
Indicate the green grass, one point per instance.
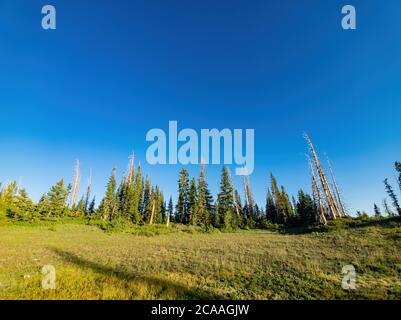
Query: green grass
point(156, 262)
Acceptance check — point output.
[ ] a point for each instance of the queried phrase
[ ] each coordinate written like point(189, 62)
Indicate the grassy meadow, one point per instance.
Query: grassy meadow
point(177, 262)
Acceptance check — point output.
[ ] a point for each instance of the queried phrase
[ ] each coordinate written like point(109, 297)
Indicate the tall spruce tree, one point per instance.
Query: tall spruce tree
point(205, 200)
point(108, 203)
point(182, 202)
point(225, 202)
point(192, 203)
point(170, 209)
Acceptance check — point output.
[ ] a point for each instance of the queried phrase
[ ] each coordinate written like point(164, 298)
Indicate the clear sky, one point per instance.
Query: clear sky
point(115, 69)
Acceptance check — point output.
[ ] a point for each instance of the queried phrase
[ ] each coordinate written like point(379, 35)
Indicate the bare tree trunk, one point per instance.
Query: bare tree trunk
point(340, 203)
point(168, 220)
point(153, 212)
point(331, 203)
point(317, 199)
point(76, 186)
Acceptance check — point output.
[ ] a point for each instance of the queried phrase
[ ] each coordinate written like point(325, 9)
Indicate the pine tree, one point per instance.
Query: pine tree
point(108, 203)
point(192, 218)
point(281, 213)
point(137, 199)
point(306, 208)
point(182, 202)
point(147, 201)
point(205, 200)
point(398, 169)
point(271, 210)
point(288, 211)
point(170, 209)
point(377, 211)
point(57, 199)
point(392, 196)
point(225, 201)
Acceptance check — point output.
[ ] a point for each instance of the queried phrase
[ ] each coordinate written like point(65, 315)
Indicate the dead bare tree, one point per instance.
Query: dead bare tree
point(131, 169)
point(317, 199)
point(153, 212)
point(337, 189)
point(237, 210)
point(75, 186)
point(249, 196)
point(330, 201)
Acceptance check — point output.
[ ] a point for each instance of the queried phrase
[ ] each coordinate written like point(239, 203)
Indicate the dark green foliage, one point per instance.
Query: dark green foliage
point(306, 209)
point(182, 202)
point(205, 201)
point(192, 203)
point(225, 203)
point(377, 211)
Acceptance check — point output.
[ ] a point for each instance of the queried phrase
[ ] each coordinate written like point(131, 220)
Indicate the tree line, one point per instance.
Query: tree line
point(136, 200)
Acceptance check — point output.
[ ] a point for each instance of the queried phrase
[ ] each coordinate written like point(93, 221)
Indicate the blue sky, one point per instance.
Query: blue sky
point(115, 69)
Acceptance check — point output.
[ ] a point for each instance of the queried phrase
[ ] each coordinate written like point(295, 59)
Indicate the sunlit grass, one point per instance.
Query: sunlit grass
point(156, 262)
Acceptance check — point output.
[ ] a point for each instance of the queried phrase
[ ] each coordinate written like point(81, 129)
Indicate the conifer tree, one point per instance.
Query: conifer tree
point(170, 209)
point(271, 211)
point(147, 201)
point(57, 197)
point(192, 203)
point(377, 211)
point(398, 169)
point(305, 208)
point(205, 200)
point(281, 214)
point(225, 201)
point(108, 203)
point(137, 198)
point(182, 202)
point(392, 196)
point(387, 209)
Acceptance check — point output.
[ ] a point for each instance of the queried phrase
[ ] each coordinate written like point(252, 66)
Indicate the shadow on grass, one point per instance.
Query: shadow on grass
point(181, 291)
point(346, 223)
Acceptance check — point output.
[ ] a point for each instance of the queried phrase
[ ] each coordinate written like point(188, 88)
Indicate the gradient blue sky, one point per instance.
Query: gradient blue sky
point(115, 69)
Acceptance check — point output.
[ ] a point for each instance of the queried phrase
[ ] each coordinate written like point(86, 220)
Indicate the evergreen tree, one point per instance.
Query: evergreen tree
point(271, 211)
point(205, 201)
point(305, 208)
point(56, 200)
point(192, 203)
point(182, 202)
point(392, 196)
point(377, 211)
point(398, 169)
point(281, 210)
point(225, 201)
point(108, 203)
point(146, 203)
point(387, 209)
point(288, 211)
point(137, 198)
point(170, 209)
